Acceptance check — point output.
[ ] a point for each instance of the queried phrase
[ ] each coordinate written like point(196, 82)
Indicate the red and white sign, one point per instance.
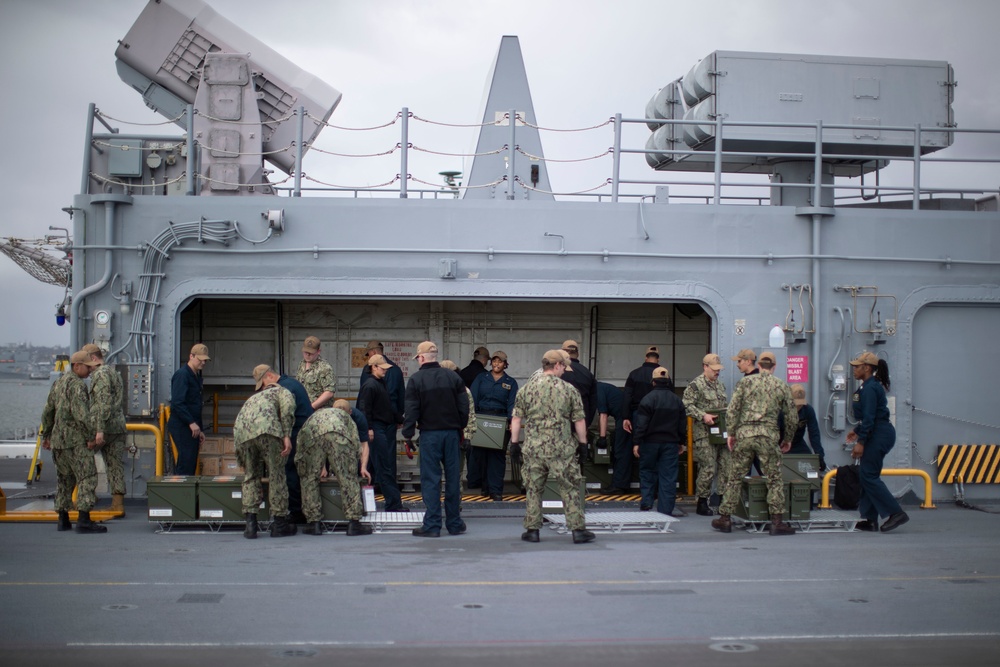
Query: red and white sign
point(798, 369)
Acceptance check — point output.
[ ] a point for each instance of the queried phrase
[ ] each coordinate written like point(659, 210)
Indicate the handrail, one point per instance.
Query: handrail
point(824, 501)
point(159, 442)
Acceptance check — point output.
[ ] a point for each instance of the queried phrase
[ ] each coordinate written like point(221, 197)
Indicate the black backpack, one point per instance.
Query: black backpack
point(847, 490)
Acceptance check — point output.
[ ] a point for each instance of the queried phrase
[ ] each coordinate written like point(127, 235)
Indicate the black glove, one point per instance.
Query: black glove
point(602, 442)
point(515, 450)
point(822, 464)
point(583, 452)
point(409, 447)
point(465, 444)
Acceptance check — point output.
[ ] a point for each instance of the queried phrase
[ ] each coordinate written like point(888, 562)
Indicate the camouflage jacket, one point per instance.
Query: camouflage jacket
point(548, 407)
point(66, 420)
point(270, 411)
point(757, 401)
point(335, 422)
point(106, 400)
point(319, 377)
point(470, 428)
point(703, 396)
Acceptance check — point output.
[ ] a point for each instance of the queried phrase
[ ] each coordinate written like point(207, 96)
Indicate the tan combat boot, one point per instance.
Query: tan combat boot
point(118, 503)
point(779, 527)
point(723, 523)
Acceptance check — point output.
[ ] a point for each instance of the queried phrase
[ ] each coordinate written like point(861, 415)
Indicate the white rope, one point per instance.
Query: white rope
point(351, 187)
point(130, 122)
point(319, 121)
point(549, 159)
point(517, 179)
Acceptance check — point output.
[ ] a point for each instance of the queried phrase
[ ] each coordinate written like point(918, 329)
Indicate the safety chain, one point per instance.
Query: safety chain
point(554, 129)
point(129, 122)
point(549, 159)
point(320, 121)
point(517, 179)
point(427, 150)
point(351, 187)
point(913, 446)
point(388, 152)
point(958, 419)
point(435, 122)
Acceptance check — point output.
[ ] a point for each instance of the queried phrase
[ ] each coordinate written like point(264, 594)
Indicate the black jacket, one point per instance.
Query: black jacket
point(661, 417)
point(638, 384)
point(435, 400)
point(374, 401)
point(471, 372)
point(584, 381)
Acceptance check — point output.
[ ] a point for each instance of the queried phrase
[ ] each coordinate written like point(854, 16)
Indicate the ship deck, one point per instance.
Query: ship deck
point(927, 594)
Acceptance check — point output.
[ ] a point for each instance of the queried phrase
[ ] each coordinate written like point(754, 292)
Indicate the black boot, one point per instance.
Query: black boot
point(250, 532)
point(64, 523)
point(703, 509)
point(723, 523)
point(313, 528)
point(530, 535)
point(355, 527)
point(280, 527)
point(582, 536)
point(85, 525)
point(779, 527)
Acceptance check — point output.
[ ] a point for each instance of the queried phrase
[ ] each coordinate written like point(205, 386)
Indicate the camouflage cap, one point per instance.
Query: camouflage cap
point(259, 372)
point(865, 357)
point(200, 351)
point(745, 355)
point(378, 360)
point(713, 362)
point(449, 364)
point(310, 344)
point(799, 394)
point(81, 357)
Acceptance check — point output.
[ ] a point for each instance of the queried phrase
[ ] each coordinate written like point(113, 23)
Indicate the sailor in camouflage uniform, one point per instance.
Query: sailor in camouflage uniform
point(703, 398)
point(330, 438)
point(109, 422)
point(752, 422)
point(547, 406)
point(316, 375)
point(262, 432)
point(68, 431)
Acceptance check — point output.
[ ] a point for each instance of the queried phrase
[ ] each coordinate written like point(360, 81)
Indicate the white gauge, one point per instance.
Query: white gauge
point(102, 318)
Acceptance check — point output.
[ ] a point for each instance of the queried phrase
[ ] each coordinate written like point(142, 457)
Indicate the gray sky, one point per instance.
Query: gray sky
point(586, 60)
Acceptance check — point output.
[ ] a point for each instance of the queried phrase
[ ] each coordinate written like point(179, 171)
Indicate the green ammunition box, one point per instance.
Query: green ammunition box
point(801, 468)
point(332, 500)
point(602, 455)
point(551, 500)
point(172, 498)
point(753, 500)
point(717, 434)
point(596, 476)
point(220, 498)
point(798, 500)
point(490, 431)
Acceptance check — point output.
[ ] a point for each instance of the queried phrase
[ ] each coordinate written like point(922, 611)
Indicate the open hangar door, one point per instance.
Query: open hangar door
point(955, 369)
point(613, 337)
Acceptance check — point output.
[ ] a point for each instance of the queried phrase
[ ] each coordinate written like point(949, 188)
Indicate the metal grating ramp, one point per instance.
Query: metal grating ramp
point(617, 522)
point(831, 521)
point(393, 522)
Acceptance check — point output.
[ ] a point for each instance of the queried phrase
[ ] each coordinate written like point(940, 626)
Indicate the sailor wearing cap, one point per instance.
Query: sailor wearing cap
point(659, 437)
point(704, 398)
point(316, 374)
point(67, 430)
point(263, 435)
point(583, 380)
point(382, 417)
point(185, 425)
point(106, 400)
point(493, 394)
point(638, 384)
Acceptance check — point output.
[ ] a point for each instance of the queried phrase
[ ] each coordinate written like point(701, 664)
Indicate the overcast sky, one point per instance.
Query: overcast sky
point(586, 60)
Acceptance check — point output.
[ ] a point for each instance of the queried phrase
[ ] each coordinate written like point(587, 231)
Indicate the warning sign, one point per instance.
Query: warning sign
point(399, 352)
point(798, 369)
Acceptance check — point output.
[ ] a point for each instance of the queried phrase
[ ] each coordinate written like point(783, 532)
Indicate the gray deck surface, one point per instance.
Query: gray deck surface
point(927, 594)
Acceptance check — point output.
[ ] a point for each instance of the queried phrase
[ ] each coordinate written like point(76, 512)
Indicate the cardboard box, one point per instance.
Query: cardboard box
point(211, 465)
point(230, 466)
point(212, 445)
point(228, 446)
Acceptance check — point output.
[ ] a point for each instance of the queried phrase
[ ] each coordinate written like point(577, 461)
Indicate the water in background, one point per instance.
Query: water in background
point(21, 404)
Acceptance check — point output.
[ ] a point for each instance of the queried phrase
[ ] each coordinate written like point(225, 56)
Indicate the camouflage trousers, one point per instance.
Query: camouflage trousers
point(766, 449)
point(75, 467)
point(257, 456)
point(566, 473)
point(341, 459)
point(713, 463)
point(112, 453)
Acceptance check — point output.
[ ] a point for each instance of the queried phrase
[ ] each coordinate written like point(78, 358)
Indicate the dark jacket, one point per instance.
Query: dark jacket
point(374, 402)
point(393, 385)
point(807, 421)
point(471, 372)
point(584, 381)
point(638, 384)
point(303, 407)
point(185, 396)
point(436, 400)
point(661, 417)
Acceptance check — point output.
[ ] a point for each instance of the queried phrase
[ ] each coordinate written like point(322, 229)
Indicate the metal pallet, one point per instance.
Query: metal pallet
point(617, 522)
point(393, 522)
point(831, 521)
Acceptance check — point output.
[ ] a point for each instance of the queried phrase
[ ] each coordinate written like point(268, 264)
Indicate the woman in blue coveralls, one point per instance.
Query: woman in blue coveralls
point(873, 438)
